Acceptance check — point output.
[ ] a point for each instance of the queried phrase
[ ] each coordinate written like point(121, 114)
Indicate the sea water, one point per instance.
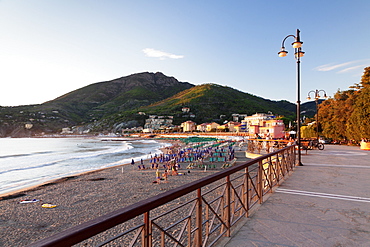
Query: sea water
point(26, 162)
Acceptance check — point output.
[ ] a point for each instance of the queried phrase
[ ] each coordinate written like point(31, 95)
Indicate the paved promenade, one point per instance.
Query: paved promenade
point(326, 202)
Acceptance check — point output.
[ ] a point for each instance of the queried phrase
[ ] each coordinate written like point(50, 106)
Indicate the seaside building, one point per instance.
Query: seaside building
point(222, 128)
point(133, 130)
point(262, 123)
point(212, 126)
point(228, 127)
point(155, 122)
point(232, 126)
point(237, 117)
point(202, 127)
point(188, 126)
point(238, 128)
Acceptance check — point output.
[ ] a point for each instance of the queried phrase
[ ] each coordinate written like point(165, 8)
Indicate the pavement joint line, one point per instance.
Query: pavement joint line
point(340, 153)
point(342, 166)
point(317, 194)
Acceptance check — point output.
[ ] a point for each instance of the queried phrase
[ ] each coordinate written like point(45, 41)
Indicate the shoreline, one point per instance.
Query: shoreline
point(20, 192)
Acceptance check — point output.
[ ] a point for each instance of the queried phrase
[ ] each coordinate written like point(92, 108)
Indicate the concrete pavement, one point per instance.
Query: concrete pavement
point(326, 202)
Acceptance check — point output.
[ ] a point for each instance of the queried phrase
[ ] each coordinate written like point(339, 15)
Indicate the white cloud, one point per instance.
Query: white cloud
point(329, 67)
point(149, 52)
point(353, 68)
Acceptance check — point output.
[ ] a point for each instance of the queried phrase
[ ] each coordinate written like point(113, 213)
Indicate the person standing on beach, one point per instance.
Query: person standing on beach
point(158, 176)
point(174, 170)
point(165, 176)
point(268, 135)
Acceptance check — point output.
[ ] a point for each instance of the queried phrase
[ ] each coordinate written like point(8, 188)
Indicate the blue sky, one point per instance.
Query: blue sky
point(49, 47)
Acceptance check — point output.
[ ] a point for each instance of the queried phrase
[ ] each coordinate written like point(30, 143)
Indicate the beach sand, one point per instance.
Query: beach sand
point(81, 198)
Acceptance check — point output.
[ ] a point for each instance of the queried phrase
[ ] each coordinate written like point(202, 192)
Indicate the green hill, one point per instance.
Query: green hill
point(209, 101)
point(104, 98)
point(113, 105)
point(89, 104)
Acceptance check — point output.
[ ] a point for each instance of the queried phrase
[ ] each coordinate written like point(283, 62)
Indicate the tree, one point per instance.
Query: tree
point(358, 126)
point(308, 131)
point(334, 114)
point(365, 79)
point(347, 115)
point(326, 110)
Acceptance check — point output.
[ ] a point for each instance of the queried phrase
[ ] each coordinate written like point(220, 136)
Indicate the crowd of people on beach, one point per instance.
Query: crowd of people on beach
point(172, 157)
point(211, 152)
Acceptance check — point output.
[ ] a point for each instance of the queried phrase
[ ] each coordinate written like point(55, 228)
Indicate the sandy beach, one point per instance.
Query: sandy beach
point(81, 198)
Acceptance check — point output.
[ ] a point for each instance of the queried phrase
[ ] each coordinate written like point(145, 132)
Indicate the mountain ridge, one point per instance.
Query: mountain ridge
point(102, 106)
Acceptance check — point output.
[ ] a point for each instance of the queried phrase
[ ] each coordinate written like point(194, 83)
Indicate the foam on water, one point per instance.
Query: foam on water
point(26, 162)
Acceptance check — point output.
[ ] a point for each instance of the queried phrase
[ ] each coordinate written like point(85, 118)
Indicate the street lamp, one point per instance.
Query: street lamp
point(298, 53)
point(317, 97)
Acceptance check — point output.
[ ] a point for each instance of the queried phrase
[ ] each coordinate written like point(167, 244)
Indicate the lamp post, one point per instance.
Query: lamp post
point(317, 96)
point(298, 53)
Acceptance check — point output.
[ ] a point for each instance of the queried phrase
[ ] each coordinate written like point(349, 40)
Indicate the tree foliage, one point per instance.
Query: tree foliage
point(308, 131)
point(347, 115)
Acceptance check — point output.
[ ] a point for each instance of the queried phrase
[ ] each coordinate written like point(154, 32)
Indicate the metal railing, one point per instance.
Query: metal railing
point(266, 146)
point(195, 214)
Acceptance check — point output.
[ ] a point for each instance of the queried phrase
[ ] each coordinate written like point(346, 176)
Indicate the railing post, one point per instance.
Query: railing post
point(189, 232)
point(260, 181)
point(198, 237)
point(289, 154)
point(228, 206)
point(294, 159)
point(270, 175)
point(279, 169)
point(249, 145)
point(207, 219)
point(146, 235)
point(246, 192)
point(295, 153)
point(259, 146)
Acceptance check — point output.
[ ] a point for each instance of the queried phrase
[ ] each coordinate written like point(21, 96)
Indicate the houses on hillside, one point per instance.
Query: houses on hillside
point(261, 124)
point(155, 122)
